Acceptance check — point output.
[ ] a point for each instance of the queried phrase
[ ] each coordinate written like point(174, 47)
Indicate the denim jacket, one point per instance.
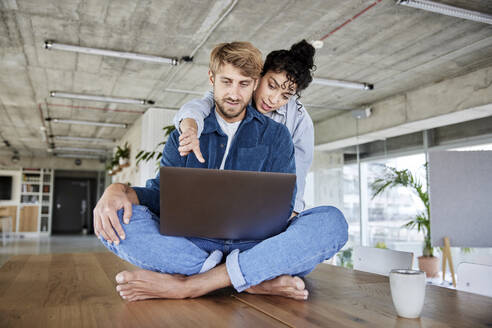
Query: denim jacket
point(260, 144)
point(293, 115)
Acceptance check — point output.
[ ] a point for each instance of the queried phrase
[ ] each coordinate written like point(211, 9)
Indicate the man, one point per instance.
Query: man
point(235, 137)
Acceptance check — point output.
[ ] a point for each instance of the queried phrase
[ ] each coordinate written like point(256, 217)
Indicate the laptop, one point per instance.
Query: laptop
point(224, 204)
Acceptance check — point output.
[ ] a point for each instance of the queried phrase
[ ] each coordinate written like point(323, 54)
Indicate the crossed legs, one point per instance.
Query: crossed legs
point(174, 266)
point(144, 284)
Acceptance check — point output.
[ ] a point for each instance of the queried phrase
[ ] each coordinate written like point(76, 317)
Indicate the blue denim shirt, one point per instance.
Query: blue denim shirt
point(260, 144)
point(293, 115)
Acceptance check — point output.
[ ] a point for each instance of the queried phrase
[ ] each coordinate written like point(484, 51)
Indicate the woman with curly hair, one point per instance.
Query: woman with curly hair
point(285, 74)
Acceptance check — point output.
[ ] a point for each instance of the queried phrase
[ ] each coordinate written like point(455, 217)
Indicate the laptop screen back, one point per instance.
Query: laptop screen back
point(224, 204)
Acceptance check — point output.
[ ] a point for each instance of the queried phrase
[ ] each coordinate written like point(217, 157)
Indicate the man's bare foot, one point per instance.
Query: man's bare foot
point(287, 286)
point(144, 284)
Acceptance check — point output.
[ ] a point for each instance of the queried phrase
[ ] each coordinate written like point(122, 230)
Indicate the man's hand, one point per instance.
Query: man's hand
point(106, 220)
point(188, 141)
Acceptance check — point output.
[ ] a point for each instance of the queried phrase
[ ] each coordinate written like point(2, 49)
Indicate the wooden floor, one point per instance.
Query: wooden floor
point(78, 290)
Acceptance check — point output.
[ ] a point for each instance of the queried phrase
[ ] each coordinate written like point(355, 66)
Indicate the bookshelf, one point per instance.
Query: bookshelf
point(35, 210)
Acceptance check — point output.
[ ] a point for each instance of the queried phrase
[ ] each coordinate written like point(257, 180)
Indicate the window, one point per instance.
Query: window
point(378, 221)
point(391, 210)
point(351, 204)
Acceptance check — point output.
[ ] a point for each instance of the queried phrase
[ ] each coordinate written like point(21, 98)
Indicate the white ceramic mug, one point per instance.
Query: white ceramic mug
point(408, 292)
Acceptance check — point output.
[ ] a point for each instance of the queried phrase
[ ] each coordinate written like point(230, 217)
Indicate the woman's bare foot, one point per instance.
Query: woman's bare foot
point(144, 284)
point(287, 286)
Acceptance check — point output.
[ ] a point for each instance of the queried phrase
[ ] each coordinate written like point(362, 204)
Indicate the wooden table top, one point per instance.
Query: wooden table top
point(340, 297)
point(78, 290)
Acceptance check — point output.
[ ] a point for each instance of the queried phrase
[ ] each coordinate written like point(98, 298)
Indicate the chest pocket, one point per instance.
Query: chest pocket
point(253, 158)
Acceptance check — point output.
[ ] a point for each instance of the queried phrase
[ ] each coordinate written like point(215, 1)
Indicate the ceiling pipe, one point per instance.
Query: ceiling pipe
point(221, 18)
point(207, 36)
point(43, 128)
point(319, 43)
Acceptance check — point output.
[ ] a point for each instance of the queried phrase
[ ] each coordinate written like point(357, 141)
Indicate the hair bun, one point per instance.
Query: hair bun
point(303, 52)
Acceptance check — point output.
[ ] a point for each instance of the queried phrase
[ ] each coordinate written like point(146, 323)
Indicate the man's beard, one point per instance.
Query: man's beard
point(229, 114)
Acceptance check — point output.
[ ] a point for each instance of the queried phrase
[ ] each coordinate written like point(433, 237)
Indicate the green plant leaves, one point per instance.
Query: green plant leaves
point(404, 178)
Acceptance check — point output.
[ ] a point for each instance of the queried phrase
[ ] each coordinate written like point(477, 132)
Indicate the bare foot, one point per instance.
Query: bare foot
point(144, 284)
point(287, 286)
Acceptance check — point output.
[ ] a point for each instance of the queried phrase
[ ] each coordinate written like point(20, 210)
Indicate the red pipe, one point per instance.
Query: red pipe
point(350, 20)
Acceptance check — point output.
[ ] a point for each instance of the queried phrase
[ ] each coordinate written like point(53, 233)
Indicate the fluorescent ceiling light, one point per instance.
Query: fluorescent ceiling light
point(78, 156)
point(59, 94)
point(165, 108)
point(443, 9)
point(83, 139)
point(344, 84)
point(191, 92)
point(85, 150)
point(109, 125)
point(327, 108)
point(103, 52)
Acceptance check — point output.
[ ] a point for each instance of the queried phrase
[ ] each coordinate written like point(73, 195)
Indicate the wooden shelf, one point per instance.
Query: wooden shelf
point(35, 217)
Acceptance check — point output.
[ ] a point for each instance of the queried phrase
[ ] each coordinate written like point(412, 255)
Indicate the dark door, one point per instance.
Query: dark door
point(73, 203)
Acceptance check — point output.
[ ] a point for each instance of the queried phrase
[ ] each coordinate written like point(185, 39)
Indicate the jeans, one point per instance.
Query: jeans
point(311, 237)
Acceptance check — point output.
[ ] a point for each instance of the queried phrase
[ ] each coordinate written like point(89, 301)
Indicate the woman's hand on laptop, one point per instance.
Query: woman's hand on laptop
point(106, 221)
point(188, 140)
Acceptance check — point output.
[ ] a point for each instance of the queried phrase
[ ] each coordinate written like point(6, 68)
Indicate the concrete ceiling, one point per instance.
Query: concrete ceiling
point(394, 47)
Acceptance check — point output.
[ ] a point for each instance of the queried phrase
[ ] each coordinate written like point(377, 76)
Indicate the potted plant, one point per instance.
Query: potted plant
point(404, 178)
point(115, 164)
point(345, 258)
point(123, 154)
point(109, 168)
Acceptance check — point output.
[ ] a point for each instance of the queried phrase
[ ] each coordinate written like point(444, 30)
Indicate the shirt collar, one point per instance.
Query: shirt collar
point(292, 102)
point(282, 110)
point(211, 124)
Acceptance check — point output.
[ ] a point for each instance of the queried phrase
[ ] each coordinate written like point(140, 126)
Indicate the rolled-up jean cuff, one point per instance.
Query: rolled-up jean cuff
point(212, 260)
point(234, 271)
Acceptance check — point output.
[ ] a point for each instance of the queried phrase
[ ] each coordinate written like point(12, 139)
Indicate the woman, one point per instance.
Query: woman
point(285, 74)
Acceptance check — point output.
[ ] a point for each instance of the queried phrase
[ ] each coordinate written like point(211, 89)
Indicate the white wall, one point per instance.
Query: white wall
point(144, 134)
point(130, 174)
point(16, 182)
point(153, 121)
